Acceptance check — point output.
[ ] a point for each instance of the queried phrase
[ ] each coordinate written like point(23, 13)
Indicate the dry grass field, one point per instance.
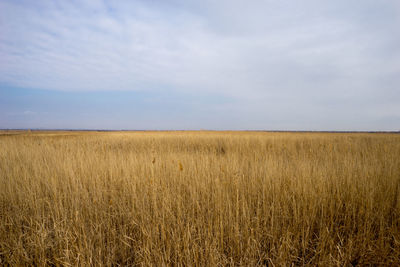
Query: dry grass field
point(199, 199)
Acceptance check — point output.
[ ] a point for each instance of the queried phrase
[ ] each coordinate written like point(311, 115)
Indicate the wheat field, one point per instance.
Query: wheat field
point(199, 199)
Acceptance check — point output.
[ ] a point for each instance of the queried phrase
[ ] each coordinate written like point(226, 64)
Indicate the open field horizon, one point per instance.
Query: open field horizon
point(199, 198)
point(60, 130)
point(199, 133)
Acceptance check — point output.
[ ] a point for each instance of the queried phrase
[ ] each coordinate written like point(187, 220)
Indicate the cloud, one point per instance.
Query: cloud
point(23, 113)
point(268, 55)
point(28, 112)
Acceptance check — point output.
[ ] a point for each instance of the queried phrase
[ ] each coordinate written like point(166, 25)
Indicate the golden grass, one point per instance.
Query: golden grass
point(199, 198)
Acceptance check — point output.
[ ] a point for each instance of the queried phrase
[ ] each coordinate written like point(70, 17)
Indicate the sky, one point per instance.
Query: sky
point(193, 65)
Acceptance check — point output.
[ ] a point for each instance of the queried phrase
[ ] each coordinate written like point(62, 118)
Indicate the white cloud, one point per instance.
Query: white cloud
point(29, 112)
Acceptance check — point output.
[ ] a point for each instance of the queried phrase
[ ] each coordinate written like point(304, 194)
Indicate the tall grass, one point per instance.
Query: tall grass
point(199, 198)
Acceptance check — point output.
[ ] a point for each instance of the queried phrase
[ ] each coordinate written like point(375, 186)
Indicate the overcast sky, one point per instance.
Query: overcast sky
point(262, 65)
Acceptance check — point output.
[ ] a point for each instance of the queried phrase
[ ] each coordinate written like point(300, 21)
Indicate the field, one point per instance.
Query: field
point(199, 198)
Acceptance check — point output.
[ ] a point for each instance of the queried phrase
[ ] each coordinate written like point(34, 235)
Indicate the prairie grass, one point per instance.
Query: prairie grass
point(199, 198)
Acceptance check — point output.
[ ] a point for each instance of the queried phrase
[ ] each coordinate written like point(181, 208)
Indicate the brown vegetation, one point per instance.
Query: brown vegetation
point(199, 198)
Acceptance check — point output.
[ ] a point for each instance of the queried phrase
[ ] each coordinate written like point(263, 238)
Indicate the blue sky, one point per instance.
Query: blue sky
point(262, 65)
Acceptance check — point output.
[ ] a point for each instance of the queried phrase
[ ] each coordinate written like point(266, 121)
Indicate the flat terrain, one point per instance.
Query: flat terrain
point(199, 198)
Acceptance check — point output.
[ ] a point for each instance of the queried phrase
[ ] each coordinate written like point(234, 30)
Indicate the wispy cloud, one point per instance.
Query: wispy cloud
point(29, 112)
point(22, 113)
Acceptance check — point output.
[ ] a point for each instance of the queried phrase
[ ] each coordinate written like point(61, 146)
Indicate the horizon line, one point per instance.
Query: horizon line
point(197, 130)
